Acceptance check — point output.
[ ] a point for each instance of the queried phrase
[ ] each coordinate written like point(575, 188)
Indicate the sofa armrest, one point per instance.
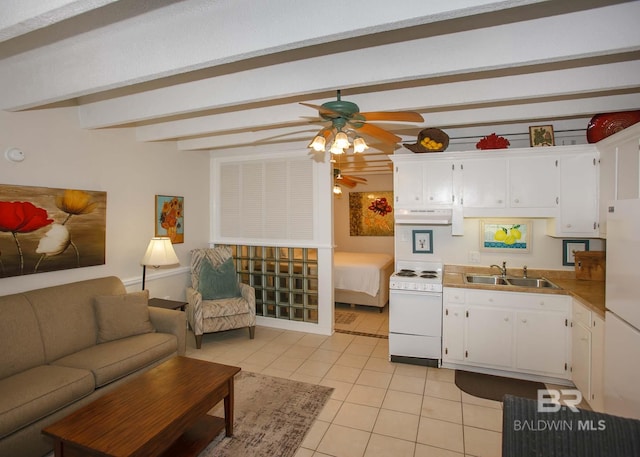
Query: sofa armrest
point(170, 321)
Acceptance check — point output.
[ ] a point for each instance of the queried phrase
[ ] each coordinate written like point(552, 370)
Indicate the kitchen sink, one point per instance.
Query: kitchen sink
point(535, 283)
point(539, 283)
point(483, 279)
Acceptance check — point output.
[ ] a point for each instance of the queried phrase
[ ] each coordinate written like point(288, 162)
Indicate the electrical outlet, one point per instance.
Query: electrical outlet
point(474, 257)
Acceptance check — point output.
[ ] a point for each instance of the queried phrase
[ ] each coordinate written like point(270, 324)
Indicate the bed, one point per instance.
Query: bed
point(362, 278)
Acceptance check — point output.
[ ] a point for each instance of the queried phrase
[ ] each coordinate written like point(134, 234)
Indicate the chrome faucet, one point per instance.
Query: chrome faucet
point(503, 269)
point(524, 271)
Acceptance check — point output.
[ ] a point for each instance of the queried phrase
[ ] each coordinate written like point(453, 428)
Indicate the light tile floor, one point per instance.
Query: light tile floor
point(377, 408)
point(364, 319)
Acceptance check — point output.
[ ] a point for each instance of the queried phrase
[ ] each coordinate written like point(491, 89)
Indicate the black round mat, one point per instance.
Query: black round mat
point(495, 387)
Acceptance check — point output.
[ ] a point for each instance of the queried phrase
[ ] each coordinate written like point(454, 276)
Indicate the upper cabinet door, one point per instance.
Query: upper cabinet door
point(408, 185)
point(438, 175)
point(578, 195)
point(484, 183)
point(533, 182)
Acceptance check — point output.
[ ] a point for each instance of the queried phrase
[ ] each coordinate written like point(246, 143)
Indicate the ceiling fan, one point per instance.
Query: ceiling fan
point(345, 180)
point(345, 118)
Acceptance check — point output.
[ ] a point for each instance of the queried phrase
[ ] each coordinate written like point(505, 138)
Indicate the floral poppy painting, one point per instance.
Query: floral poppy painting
point(46, 229)
point(170, 218)
point(371, 213)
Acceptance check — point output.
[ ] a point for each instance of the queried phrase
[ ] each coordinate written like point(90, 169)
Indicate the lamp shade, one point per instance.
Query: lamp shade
point(160, 252)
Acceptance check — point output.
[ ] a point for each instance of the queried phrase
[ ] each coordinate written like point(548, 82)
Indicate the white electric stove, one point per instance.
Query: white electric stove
point(415, 313)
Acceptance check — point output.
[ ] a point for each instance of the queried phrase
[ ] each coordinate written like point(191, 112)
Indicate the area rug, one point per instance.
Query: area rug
point(495, 387)
point(272, 416)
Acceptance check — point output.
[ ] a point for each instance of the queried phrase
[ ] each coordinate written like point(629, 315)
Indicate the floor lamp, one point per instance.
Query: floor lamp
point(159, 252)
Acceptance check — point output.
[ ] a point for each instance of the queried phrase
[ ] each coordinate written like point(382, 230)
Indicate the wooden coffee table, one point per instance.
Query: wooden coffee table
point(161, 412)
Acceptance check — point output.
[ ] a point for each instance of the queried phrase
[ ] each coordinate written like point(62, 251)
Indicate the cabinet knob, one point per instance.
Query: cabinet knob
point(568, 226)
point(524, 321)
point(491, 300)
point(499, 201)
point(542, 303)
point(584, 339)
point(517, 200)
point(430, 198)
point(506, 319)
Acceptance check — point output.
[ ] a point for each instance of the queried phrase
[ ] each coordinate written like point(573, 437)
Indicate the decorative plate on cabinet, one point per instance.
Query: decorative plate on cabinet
point(606, 124)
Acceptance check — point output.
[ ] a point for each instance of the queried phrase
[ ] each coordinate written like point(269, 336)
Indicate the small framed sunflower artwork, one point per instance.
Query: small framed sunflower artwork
point(512, 235)
point(170, 218)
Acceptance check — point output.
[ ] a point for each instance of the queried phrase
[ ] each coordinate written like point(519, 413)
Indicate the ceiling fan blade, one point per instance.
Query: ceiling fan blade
point(345, 181)
point(403, 116)
point(357, 179)
point(322, 110)
point(381, 134)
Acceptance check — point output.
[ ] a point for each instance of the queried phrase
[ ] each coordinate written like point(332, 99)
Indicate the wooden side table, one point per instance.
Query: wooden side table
point(167, 304)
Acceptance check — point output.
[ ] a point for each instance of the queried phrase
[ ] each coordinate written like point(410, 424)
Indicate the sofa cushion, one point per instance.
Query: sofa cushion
point(20, 341)
point(66, 315)
point(219, 282)
point(38, 392)
point(123, 315)
point(118, 358)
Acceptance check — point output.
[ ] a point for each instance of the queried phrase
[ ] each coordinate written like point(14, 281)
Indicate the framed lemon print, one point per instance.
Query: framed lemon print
point(512, 235)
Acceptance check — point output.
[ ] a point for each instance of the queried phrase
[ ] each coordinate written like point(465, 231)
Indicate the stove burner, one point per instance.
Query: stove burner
point(429, 275)
point(406, 273)
point(429, 272)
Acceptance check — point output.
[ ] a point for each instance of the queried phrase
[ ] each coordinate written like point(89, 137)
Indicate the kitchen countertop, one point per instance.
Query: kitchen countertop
point(589, 293)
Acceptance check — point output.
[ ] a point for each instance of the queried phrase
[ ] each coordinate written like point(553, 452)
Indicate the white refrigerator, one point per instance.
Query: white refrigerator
point(622, 302)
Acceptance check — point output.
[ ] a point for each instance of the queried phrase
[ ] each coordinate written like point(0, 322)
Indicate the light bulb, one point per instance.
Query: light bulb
point(342, 141)
point(335, 149)
point(359, 145)
point(318, 143)
point(337, 190)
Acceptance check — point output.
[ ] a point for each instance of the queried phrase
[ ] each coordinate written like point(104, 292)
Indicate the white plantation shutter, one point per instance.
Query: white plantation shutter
point(270, 199)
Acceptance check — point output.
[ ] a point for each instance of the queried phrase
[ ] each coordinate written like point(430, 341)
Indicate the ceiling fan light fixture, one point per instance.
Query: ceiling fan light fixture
point(318, 143)
point(341, 140)
point(335, 149)
point(337, 190)
point(359, 145)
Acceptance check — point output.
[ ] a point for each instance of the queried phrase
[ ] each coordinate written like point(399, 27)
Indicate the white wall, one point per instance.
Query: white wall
point(61, 155)
point(343, 240)
point(545, 252)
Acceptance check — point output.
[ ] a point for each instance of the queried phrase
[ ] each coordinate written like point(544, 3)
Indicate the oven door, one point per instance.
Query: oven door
point(415, 313)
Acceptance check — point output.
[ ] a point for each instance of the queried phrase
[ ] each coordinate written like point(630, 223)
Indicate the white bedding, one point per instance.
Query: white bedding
point(359, 271)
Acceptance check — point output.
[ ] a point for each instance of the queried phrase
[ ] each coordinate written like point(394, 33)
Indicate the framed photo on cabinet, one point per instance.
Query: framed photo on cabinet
point(541, 135)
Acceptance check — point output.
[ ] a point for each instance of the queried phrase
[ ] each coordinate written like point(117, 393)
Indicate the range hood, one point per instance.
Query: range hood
point(424, 216)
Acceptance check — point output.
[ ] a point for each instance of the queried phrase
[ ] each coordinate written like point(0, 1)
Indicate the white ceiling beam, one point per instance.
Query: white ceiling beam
point(189, 35)
point(552, 39)
point(18, 17)
point(555, 83)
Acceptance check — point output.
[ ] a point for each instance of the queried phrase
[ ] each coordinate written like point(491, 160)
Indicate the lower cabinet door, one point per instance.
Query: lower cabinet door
point(581, 358)
point(541, 344)
point(453, 321)
point(489, 337)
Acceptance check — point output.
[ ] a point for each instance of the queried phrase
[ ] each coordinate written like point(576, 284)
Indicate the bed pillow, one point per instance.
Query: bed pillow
point(123, 315)
point(218, 282)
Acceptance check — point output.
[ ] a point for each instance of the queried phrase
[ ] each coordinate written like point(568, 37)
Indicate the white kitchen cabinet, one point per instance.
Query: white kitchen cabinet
point(541, 339)
point(587, 366)
point(489, 348)
point(453, 325)
point(578, 197)
point(484, 183)
point(533, 182)
point(512, 332)
point(408, 185)
point(423, 184)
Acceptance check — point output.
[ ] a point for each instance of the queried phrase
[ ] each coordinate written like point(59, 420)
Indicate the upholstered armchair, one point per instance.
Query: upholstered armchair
point(216, 300)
